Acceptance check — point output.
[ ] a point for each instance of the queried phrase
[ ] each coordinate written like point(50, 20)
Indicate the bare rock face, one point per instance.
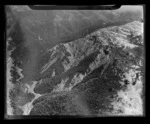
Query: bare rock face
point(104, 69)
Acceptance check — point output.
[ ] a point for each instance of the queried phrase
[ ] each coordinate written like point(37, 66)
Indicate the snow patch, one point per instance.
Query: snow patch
point(29, 89)
point(9, 87)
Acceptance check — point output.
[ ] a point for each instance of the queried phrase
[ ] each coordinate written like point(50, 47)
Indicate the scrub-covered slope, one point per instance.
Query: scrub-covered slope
point(99, 74)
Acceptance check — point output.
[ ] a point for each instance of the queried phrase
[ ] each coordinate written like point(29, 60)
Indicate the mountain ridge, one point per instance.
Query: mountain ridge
point(90, 72)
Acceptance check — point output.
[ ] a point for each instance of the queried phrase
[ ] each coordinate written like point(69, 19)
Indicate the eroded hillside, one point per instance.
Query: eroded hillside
point(97, 75)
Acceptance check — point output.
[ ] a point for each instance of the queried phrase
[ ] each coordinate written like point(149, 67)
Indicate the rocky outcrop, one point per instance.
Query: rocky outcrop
point(103, 67)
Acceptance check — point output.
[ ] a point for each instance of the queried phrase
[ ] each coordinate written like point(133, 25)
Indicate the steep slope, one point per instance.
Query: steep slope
point(101, 73)
point(59, 26)
point(101, 68)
